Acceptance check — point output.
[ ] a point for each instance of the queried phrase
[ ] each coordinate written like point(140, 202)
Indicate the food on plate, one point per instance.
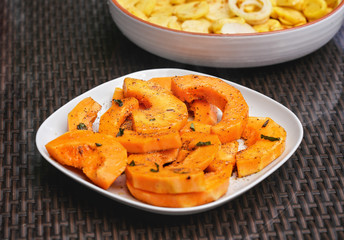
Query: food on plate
point(215, 183)
point(83, 115)
point(163, 111)
point(229, 16)
point(215, 91)
point(136, 142)
point(99, 156)
point(166, 136)
point(265, 142)
point(111, 121)
point(204, 112)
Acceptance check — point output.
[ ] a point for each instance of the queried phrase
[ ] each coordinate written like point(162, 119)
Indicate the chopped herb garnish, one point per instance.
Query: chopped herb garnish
point(118, 101)
point(132, 163)
point(155, 170)
point(272, 139)
point(152, 119)
point(98, 144)
point(120, 132)
point(199, 144)
point(266, 123)
point(81, 126)
point(192, 127)
point(170, 110)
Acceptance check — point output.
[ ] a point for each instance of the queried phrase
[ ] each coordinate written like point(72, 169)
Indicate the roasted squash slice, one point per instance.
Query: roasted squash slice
point(164, 82)
point(215, 91)
point(113, 118)
point(204, 112)
point(194, 126)
point(99, 156)
point(164, 111)
point(216, 182)
point(146, 172)
point(118, 94)
point(136, 142)
point(200, 150)
point(180, 200)
point(83, 115)
point(263, 149)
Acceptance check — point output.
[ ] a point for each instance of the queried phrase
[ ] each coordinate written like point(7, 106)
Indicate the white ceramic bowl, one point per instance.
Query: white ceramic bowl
point(232, 51)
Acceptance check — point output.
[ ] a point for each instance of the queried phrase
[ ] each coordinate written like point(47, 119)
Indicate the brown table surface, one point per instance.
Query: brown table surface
point(52, 51)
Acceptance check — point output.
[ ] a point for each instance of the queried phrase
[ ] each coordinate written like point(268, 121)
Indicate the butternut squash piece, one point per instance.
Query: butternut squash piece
point(226, 154)
point(99, 156)
point(143, 143)
point(83, 115)
point(217, 92)
point(146, 172)
point(164, 111)
point(193, 126)
point(118, 94)
point(204, 112)
point(263, 150)
point(112, 119)
point(180, 200)
point(216, 182)
point(164, 82)
point(202, 149)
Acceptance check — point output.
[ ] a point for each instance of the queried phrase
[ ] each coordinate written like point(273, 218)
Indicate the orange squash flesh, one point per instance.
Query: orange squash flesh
point(181, 200)
point(112, 119)
point(164, 82)
point(118, 94)
point(100, 156)
point(194, 126)
point(216, 182)
point(143, 143)
point(204, 112)
point(261, 152)
point(150, 175)
point(198, 156)
point(85, 112)
point(215, 91)
point(164, 111)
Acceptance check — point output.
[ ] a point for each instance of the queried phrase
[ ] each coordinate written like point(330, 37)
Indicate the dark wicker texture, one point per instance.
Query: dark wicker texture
point(52, 51)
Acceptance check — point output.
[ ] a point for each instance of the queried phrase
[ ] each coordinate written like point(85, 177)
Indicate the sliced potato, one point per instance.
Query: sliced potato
point(191, 10)
point(200, 26)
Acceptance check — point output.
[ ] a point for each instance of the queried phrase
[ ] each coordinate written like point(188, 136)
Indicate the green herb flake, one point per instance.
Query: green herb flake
point(155, 170)
point(118, 101)
point(152, 119)
point(200, 144)
point(81, 126)
point(265, 124)
point(98, 144)
point(120, 132)
point(132, 163)
point(272, 139)
point(192, 127)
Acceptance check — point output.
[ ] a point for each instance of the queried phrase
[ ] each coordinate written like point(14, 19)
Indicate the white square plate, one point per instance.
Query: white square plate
point(259, 106)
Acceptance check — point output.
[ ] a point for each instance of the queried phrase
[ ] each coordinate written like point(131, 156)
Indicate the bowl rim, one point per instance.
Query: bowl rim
point(256, 34)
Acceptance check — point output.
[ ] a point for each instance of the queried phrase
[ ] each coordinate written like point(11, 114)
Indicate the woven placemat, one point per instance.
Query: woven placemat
point(52, 51)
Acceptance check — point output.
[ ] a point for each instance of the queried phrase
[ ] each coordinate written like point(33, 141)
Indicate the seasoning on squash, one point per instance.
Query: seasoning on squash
point(155, 170)
point(119, 102)
point(132, 163)
point(200, 144)
point(265, 124)
point(120, 132)
point(98, 144)
point(272, 139)
point(192, 127)
point(81, 126)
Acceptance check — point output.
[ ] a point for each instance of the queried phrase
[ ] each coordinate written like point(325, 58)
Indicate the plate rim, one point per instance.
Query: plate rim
point(165, 210)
